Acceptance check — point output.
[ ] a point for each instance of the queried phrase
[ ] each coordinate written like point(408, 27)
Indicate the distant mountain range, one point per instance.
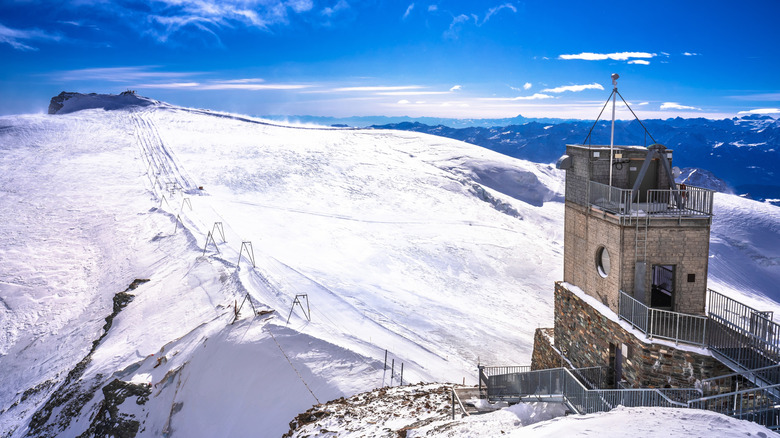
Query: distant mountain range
point(366, 121)
point(744, 152)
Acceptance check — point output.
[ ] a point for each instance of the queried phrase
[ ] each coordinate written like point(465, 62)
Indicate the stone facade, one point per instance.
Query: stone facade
point(545, 355)
point(588, 338)
point(682, 244)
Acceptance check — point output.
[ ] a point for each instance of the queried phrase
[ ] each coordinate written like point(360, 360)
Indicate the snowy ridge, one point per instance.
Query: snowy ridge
point(442, 253)
point(424, 410)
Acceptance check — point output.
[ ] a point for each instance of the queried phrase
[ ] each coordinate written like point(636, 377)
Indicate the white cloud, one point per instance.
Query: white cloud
point(639, 61)
point(19, 39)
point(433, 8)
point(527, 86)
point(677, 106)
point(760, 96)
point(459, 20)
point(163, 20)
point(690, 54)
point(339, 6)
point(535, 96)
point(379, 88)
point(574, 88)
point(250, 86)
point(761, 111)
point(403, 101)
point(237, 84)
point(495, 10)
point(170, 85)
point(121, 74)
point(642, 104)
point(456, 88)
point(296, 5)
point(456, 24)
point(411, 93)
point(620, 56)
point(408, 11)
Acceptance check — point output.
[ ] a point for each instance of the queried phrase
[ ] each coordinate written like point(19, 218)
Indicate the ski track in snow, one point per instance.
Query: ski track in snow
point(380, 229)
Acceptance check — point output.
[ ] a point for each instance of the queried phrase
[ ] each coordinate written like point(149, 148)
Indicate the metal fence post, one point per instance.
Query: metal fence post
point(452, 394)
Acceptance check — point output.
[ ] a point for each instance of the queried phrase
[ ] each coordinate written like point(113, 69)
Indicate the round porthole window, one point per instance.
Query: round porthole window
point(602, 261)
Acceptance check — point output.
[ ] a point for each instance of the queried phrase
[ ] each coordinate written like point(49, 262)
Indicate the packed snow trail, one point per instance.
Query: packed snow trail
point(288, 281)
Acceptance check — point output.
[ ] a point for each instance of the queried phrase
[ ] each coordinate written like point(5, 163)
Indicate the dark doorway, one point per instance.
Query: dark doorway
point(615, 370)
point(662, 289)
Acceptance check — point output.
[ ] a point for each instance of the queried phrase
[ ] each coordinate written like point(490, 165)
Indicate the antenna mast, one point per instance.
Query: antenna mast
point(615, 77)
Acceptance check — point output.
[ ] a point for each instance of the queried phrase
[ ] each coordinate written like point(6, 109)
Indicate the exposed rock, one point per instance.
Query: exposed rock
point(68, 102)
point(109, 421)
point(74, 393)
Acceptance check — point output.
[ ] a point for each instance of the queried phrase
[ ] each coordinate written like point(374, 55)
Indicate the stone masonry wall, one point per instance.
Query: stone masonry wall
point(584, 336)
point(545, 355)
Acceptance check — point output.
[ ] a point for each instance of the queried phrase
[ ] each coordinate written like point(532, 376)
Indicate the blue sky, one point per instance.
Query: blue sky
point(461, 59)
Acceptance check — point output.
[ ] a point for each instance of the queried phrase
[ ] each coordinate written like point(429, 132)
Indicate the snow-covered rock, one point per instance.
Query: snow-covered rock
point(68, 102)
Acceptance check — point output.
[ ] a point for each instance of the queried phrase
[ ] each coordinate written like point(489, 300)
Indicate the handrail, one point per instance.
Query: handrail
point(691, 202)
point(508, 369)
point(664, 324)
point(735, 312)
point(561, 382)
point(455, 397)
point(733, 393)
point(756, 404)
point(740, 373)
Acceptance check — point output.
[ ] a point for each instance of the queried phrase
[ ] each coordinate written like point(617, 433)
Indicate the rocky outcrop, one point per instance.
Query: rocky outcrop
point(68, 101)
point(58, 101)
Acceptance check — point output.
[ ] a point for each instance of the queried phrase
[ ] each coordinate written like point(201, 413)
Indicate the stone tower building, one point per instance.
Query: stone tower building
point(635, 270)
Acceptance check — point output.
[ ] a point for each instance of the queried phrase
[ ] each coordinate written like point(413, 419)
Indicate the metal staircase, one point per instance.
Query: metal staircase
point(561, 385)
point(744, 339)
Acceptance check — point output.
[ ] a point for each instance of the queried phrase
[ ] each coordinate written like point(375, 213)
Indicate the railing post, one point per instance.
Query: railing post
point(704, 335)
point(650, 326)
point(677, 330)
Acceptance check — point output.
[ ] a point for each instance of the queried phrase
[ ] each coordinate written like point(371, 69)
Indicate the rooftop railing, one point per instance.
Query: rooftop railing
point(693, 202)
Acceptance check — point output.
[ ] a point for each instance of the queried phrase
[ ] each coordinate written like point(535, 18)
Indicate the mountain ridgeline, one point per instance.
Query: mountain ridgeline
point(744, 152)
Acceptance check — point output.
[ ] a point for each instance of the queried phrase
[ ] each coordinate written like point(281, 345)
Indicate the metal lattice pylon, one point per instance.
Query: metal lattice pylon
point(209, 237)
point(306, 311)
point(250, 253)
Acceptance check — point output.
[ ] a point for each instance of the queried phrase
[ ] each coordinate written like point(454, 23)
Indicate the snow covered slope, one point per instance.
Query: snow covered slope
point(439, 252)
point(400, 242)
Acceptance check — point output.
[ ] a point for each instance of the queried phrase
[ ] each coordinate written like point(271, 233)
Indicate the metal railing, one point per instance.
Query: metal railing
point(664, 324)
point(561, 384)
point(734, 313)
point(731, 382)
point(743, 335)
point(755, 404)
point(693, 202)
point(609, 198)
point(493, 371)
point(592, 377)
